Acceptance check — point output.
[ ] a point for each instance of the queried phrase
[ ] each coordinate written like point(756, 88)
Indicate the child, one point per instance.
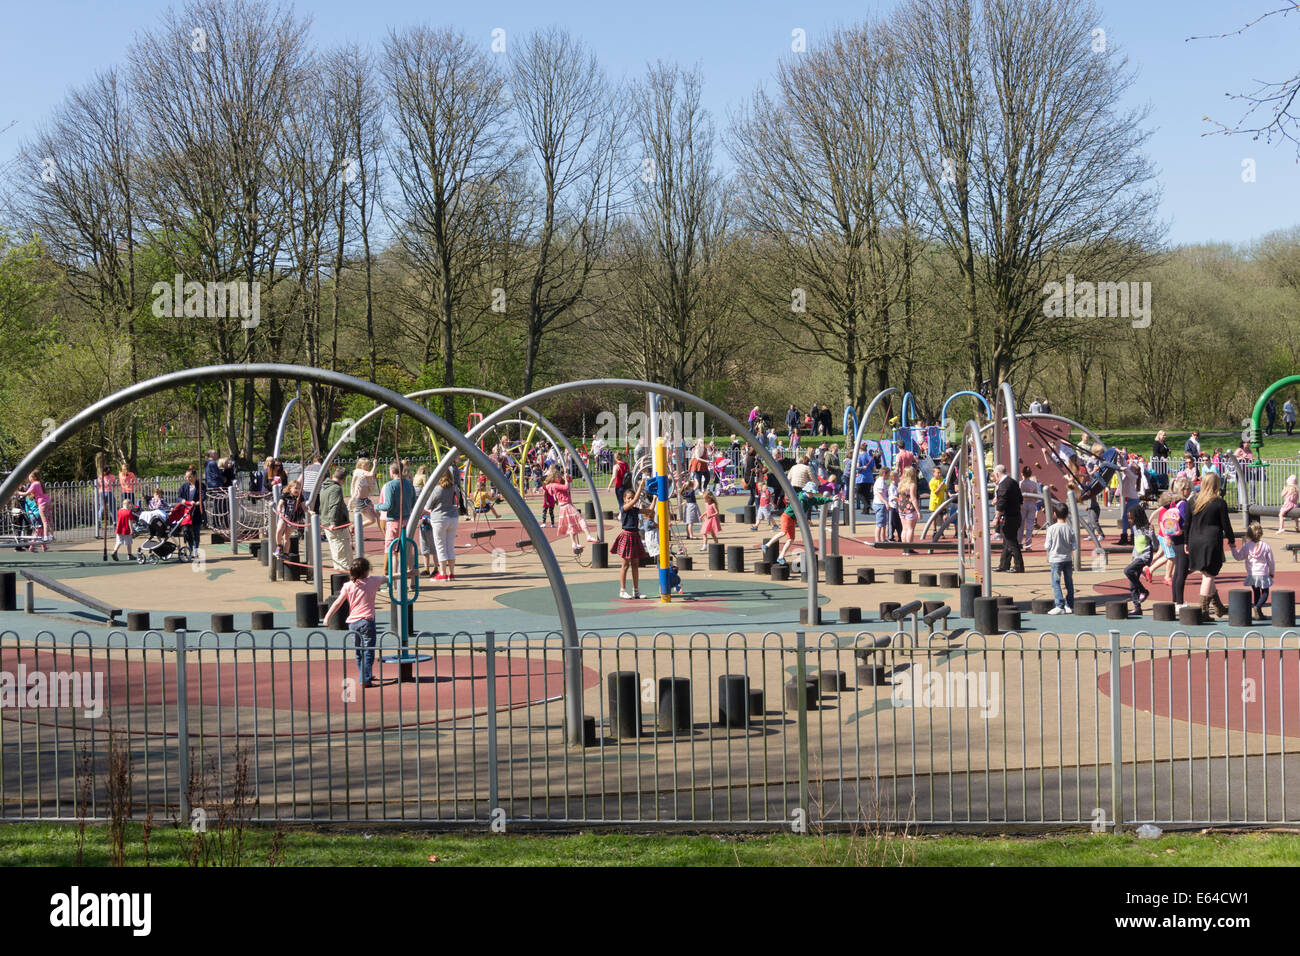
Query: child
point(628, 545)
point(765, 512)
point(359, 593)
point(548, 503)
point(1165, 540)
point(1290, 503)
point(1143, 552)
point(789, 526)
point(690, 508)
point(571, 523)
point(125, 519)
point(674, 580)
point(938, 490)
point(1059, 545)
point(880, 505)
point(36, 492)
point(483, 503)
point(711, 525)
point(1254, 550)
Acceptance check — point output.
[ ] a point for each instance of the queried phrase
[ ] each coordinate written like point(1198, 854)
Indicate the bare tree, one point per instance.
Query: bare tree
point(450, 154)
point(572, 121)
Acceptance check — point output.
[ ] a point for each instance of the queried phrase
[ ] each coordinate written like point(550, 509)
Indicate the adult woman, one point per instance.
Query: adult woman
point(1209, 524)
point(192, 490)
point(421, 477)
point(1160, 454)
point(445, 517)
point(128, 482)
point(364, 490)
point(699, 464)
point(105, 499)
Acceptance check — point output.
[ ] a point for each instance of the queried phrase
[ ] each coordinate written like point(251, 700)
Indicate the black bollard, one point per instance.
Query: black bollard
point(1163, 611)
point(927, 580)
point(685, 562)
point(1085, 606)
point(1283, 609)
point(949, 579)
point(831, 682)
point(600, 554)
point(986, 615)
point(263, 621)
point(1190, 616)
point(780, 572)
point(803, 616)
point(928, 606)
point(8, 591)
point(1041, 605)
point(850, 615)
point(339, 620)
point(834, 569)
point(1117, 611)
point(733, 700)
point(770, 552)
point(717, 557)
point(674, 704)
point(756, 705)
point(590, 511)
point(762, 568)
point(1006, 600)
point(174, 623)
point(223, 623)
point(308, 609)
point(969, 592)
point(137, 620)
point(902, 575)
point(337, 580)
point(735, 559)
point(872, 675)
point(792, 693)
point(1008, 619)
point(887, 608)
point(1239, 607)
point(866, 575)
point(624, 703)
point(751, 514)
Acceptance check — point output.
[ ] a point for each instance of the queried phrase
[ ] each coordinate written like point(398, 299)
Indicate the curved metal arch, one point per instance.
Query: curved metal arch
point(1004, 396)
point(483, 393)
point(853, 459)
point(284, 423)
point(1256, 442)
point(126, 396)
point(971, 434)
point(849, 416)
point(943, 415)
point(687, 398)
point(907, 400)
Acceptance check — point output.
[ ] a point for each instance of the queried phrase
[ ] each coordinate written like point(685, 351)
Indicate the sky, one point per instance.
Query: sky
point(52, 46)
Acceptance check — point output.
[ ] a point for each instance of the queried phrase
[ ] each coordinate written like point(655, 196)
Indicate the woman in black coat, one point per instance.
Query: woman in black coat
point(1209, 524)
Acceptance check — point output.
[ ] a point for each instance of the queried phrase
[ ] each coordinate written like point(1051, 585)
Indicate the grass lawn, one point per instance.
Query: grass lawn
point(32, 844)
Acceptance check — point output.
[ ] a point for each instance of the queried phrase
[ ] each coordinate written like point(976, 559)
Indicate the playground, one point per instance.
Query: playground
point(916, 685)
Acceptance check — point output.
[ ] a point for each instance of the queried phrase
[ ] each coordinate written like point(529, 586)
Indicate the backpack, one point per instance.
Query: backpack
point(1171, 522)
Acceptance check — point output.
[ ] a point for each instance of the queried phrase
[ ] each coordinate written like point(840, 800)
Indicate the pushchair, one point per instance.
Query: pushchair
point(723, 478)
point(160, 546)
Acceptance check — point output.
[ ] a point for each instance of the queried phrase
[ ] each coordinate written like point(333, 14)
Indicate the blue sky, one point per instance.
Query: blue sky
point(48, 47)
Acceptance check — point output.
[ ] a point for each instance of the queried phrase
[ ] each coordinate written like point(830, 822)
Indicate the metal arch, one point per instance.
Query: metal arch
point(686, 397)
point(1256, 442)
point(126, 396)
point(284, 423)
point(971, 431)
point(484, 393)
point(849, 416)
point(853, 458)
point(943, 415)
point(1013, 437)
point(907, 400)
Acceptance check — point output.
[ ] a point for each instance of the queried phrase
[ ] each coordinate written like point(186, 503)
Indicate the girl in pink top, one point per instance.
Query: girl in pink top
point(570, 522)
point(711, 525)
point(36, 491)
point(360, 593)
point(1254, 550)
point(1290, 503)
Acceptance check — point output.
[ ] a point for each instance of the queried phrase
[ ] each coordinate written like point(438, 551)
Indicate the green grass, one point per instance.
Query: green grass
point(55, 845)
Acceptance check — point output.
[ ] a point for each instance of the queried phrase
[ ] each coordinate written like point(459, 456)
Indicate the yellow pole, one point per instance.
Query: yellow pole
point(661, 510)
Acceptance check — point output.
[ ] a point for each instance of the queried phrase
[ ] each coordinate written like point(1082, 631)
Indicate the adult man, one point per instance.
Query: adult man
point(1130, 478)
point(395, 504)
point(1288, 414)
point(212, 472)
point(864, 478)
point(906, 459)
point(827, 421)
point(311, 475)
point(1270, 409)
point(1035, 407)
point(791, 421)
point(1008, 504)
point(334, 519)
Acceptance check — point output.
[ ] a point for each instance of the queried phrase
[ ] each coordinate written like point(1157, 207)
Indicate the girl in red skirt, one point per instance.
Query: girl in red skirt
point(570, 522)
point(711, 525)
point(628, 544)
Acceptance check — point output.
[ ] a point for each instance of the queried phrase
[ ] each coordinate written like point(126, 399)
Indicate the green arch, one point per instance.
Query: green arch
point(1256, 442)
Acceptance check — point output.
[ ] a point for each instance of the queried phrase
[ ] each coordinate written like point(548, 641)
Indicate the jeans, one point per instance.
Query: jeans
point(1134, 574)
point(105, 503)
point(1063, 571)
point(363, 636)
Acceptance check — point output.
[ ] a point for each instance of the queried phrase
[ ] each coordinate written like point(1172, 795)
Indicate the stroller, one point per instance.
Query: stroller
point(723, 476)
point(160, 545)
